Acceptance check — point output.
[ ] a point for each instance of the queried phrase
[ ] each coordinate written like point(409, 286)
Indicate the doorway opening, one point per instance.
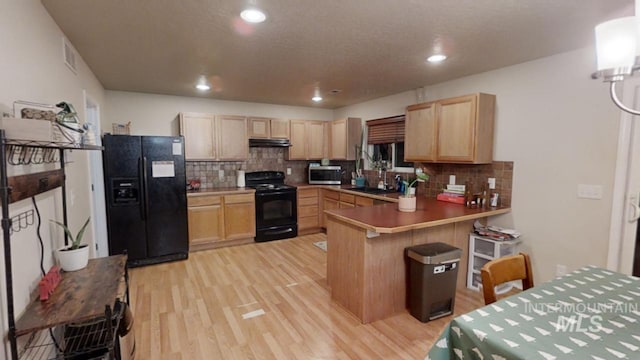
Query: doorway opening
point(98, 210)
point(624, 235)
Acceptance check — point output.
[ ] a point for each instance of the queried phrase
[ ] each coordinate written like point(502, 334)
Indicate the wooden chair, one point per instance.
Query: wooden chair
point(502, 270)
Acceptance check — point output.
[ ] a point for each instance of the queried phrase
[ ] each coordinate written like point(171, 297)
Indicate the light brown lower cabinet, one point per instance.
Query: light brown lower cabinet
point(335, 199)
point(239, 216)
point(308, 211)
point(220, 220)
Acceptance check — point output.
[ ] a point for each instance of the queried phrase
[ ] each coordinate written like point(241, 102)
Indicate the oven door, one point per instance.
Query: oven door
point(276, 215)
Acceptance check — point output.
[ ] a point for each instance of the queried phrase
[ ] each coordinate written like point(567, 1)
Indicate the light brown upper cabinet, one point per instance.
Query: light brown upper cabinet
point(345, 134)
point(307, 140)
point(199, 136)
point(265, 128)
point(455, 130)
point(214, 138)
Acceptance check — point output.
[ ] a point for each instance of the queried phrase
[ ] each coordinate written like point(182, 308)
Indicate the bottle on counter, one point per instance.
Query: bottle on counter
point(468, 193)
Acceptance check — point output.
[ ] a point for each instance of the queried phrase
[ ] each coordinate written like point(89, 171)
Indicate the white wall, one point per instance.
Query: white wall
point(151, 114)
point(560, 129)
point(32, 69)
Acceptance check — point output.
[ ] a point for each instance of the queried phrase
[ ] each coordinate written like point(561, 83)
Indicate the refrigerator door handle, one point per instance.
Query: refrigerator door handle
point(141, 201)
point(145, 188)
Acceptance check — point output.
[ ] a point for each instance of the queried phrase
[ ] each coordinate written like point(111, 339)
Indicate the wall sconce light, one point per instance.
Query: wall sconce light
point(617, 50)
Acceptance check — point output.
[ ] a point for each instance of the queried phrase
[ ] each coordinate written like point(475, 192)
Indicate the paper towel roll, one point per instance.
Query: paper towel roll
point(240, 178)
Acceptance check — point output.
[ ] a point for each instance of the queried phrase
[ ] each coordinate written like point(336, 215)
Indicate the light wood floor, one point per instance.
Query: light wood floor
point(194, 309)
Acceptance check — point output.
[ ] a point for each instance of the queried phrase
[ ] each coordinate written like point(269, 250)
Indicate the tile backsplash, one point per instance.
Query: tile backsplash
point(224, 173)
point(475, 175)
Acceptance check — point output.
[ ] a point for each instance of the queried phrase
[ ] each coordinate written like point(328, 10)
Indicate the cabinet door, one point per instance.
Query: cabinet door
point(279, 128)
point(239, 216)
point(338, 141)
point(259, 128)
point(328, 204)
point(315, 139)
point(420, 133)
point(198, 131)
point(297, 150)
point(456, 129)
point(232, 138)
point(205, 224)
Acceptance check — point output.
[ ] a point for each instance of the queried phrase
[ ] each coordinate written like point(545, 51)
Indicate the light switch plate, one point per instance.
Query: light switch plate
point(492, 183)
point(586, 191)
point(288, 171)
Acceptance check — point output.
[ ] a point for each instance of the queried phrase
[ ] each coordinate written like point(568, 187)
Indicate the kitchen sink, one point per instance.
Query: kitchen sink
point(372, 190)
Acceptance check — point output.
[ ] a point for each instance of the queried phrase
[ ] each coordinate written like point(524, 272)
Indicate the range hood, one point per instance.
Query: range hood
point(269, 143)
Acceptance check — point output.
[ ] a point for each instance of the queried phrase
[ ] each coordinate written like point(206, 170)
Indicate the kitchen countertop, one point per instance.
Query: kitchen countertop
point(219, 191)
point(390, 197)
point(386, 218)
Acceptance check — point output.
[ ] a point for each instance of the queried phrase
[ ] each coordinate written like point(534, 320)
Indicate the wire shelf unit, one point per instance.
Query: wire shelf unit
point(93, 339)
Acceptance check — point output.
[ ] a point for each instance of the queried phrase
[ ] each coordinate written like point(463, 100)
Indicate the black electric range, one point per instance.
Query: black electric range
point(276, 206)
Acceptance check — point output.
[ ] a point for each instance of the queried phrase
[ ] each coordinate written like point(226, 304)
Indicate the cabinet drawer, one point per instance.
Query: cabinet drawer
point(308, 201)
point(364, 201)
point(308, 211)
point(332, 195)
point(484, 247)
point(308, 222)
point(204, 200)
point(307, 193)
point(479, 262)
point(348, 198)
point(346, 205)
point(240, 198)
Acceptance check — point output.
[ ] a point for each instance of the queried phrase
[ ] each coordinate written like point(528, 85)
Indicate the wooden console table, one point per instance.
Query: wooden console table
point(85, 295)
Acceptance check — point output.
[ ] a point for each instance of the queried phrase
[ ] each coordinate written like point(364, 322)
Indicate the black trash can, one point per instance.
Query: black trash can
point(433, 271)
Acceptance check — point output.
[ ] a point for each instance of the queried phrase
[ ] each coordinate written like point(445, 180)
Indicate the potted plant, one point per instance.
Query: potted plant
point(75, 256)
point(407, 202)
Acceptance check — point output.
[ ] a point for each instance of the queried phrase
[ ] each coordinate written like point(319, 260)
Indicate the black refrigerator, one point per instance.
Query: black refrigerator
point(146, 194)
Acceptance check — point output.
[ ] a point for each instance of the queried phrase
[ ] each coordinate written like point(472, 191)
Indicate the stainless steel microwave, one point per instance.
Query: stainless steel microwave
point(325, 175)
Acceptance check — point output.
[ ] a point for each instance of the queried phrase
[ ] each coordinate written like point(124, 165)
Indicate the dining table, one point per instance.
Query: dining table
point(591, 313)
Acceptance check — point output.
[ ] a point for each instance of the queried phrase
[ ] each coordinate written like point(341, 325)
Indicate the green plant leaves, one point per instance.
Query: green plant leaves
point(75, 242)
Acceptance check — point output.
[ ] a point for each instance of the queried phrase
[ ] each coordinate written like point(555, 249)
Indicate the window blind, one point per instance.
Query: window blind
point(385, 130)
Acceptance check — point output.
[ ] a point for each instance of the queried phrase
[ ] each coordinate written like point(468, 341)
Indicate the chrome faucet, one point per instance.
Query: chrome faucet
point(382, 174)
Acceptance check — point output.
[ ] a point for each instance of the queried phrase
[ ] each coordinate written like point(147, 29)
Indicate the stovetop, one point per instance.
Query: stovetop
point(267, 187)
point(267, 181)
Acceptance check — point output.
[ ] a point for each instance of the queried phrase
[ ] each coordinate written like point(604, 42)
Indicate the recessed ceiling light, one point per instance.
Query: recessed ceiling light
point(317, 98)
point(436, 58)
point(203, 87)
point(253, 15)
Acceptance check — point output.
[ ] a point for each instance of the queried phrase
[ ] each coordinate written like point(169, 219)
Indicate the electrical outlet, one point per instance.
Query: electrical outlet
point(589, 191)
point(288, 171)
point(220, 175)
point(452, 179)
point(492, 183)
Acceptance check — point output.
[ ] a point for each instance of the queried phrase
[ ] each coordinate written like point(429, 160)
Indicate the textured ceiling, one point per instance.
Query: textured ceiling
point(366, 48)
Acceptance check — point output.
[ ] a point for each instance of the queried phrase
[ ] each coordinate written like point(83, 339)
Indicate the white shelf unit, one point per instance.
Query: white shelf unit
point(481, 251)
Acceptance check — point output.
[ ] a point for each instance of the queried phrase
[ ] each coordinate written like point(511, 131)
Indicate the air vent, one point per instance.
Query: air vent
point(69, 55)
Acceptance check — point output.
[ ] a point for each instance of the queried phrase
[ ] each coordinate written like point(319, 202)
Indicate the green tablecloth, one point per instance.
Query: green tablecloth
point(590, 313)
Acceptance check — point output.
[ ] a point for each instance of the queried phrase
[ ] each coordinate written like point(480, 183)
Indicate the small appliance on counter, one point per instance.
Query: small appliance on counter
point(325, 175)
point(276, 206)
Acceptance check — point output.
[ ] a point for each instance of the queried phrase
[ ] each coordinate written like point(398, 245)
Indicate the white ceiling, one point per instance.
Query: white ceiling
point(366, 48)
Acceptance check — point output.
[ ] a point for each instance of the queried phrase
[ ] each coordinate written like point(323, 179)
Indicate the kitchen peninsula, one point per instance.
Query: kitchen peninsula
point(366, 266)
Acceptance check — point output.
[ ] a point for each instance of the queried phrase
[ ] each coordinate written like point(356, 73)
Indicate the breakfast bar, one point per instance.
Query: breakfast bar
point(366, 266)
